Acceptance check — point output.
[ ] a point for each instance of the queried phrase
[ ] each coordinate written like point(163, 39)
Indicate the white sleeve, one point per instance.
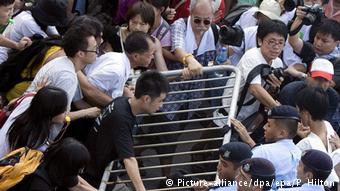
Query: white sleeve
point(104, 81)
point(258, 152)
point(304, 144)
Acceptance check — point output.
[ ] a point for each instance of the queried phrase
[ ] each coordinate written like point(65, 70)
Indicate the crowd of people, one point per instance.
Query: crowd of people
point(71, 61)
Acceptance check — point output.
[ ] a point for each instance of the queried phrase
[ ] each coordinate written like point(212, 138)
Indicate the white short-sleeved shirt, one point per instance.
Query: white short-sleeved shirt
point(61, 73)
point(284, 155)
point(24, 25)
point(312, 141)
point(109, 73)
point(247, 18)
point(249, 61)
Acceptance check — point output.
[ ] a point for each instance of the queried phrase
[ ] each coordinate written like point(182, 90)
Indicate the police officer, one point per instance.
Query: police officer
point(255, 174)
point(230, 157)
point(280, 149)
point(313, 169)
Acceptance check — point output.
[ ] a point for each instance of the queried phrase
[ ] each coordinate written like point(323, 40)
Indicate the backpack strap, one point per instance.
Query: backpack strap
point(252, 74)
point(213, 27)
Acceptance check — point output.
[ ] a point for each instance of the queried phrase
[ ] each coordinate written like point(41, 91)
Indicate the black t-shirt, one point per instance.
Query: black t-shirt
point(111, 138)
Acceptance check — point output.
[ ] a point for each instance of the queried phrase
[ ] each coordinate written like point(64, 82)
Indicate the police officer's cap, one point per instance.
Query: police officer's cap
point(284, 112)
point(317, 160)
point(258, 167)
point(235, 151)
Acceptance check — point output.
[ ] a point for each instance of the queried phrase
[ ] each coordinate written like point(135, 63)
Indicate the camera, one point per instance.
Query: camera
point(231, 35)
point(278, 72)
point(314, 14)
point(290, 5)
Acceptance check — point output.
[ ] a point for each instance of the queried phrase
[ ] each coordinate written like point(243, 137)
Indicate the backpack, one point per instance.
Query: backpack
point(7, 110)
point(16, 165)
point(11, 69)
point(235, 13)
point(256, 121)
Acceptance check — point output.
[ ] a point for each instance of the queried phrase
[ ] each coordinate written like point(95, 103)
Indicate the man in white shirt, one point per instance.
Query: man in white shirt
point(271, 38)
point(111, 71)
point(81, 48)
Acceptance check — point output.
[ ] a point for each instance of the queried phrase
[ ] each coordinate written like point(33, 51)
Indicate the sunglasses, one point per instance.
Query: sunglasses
point(205, 21)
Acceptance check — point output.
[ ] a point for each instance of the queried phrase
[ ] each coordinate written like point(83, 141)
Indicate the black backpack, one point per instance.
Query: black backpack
point(11, 69)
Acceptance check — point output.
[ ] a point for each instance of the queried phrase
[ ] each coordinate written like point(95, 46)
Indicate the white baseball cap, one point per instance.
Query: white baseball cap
point(322, 68)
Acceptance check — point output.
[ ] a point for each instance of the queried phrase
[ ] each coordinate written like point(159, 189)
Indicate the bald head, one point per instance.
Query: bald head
point(206, 5)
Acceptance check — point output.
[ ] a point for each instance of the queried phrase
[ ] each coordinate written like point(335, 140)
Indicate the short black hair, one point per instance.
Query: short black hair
point(6, 2)
point(317, 175)
point(110, 36)
point(145, 10)
point(159, 3)
point(271, 26)
point(151, 83)
point(314, 100)
point(290, 125)
point(330, 27)
point(75, 39)
point(137, 42)
point(89, 21)
point(65, 159)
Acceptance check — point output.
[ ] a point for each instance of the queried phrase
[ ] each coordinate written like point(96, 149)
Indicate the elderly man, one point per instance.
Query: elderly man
point(193, 43)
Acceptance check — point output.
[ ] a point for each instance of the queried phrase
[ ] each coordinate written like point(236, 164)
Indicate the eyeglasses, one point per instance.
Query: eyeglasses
point(200, 20)
point(272, 43)
point(94, 51)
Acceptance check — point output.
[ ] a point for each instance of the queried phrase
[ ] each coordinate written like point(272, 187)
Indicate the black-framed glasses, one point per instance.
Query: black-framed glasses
point(273, 43)
point(94, 51)
point(200, 20)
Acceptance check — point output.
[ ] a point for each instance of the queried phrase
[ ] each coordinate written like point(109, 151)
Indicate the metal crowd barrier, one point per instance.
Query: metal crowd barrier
point(192, 132)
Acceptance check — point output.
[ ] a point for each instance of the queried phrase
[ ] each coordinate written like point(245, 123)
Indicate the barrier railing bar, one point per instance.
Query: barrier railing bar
point(176, 154)
point(182, 121)
point(177, 132)
point(168, 165)
point(187, 110)
point(200, 90)
point(202, 80)
point(176, 143)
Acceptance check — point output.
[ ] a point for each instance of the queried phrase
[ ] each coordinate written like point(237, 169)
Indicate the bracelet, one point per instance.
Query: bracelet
point(67, 119)
point(184, 59)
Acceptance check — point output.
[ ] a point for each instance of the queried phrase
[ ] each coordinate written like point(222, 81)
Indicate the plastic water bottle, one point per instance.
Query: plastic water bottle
point(220, 59)
point(222, 56)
